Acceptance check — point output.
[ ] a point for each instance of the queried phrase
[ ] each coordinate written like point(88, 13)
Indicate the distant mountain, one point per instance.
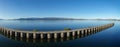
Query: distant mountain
point(108, 19)
point(54, 18)
point(49, 18)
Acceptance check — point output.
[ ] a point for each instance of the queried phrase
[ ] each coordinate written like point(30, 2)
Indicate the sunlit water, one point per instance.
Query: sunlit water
point(107, 38)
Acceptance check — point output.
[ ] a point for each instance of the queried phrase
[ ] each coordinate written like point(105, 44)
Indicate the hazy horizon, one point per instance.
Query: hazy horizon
point(59, 17)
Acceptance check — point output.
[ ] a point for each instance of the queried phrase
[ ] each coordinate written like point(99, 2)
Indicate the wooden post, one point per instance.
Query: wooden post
point(55, 35)
point(41, 35)
point(89, 30)
point(10, 33)
point(15, 34)
point(62, 35)
point(82, 32)
point(27, 35)
point(48, 35)
point(21, 34)
point(73, 33)
point(68, 34)
point(34, 35)
point(86, 31)
point(78, 32)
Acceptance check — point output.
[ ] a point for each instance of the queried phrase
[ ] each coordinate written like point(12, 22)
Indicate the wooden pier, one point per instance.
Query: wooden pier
point(53, 34)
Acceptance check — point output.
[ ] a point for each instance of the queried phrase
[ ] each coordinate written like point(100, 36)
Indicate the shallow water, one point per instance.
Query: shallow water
point(106, 38)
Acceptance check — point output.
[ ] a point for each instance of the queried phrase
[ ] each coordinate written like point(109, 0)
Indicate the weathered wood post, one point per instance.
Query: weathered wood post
point(27, 35)
point(73, 33)
point(55, 35)
point(78, 32)
point(68, 34)
point(48, 35)
point(10, 33)
point(61, 34)
point(41, 35)
point(15, 34)
point(86, 30)
point(21, 34)
point(82, 32)
point(34, 35)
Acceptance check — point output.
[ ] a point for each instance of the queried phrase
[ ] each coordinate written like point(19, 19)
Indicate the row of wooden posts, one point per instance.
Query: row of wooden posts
point(53, 34)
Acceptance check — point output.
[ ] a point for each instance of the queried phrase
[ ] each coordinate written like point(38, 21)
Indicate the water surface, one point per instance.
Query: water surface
point(106, 38)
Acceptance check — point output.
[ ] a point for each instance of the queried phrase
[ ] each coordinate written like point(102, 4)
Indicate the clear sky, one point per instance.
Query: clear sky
point(60, 8)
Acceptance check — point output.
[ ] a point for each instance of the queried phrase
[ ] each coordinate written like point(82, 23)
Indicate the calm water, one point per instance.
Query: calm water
point(49, 25)
point(107, 38)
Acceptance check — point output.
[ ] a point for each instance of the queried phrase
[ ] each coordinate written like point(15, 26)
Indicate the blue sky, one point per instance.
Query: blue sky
point(90, 9)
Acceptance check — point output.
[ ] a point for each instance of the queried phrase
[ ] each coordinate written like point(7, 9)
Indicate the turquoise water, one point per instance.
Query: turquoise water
point(106, 38)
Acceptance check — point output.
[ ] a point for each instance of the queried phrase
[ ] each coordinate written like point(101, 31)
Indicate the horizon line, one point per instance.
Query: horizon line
point(57, 17)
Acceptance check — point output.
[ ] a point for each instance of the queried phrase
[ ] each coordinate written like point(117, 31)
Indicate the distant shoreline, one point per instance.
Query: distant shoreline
point(59, 19)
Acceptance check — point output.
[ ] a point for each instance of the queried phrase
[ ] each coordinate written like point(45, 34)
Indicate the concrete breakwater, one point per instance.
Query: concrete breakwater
point(53, 34)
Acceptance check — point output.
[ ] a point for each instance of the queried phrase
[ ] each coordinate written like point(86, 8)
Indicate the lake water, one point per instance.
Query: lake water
point(106, 38)
point(49, 25)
